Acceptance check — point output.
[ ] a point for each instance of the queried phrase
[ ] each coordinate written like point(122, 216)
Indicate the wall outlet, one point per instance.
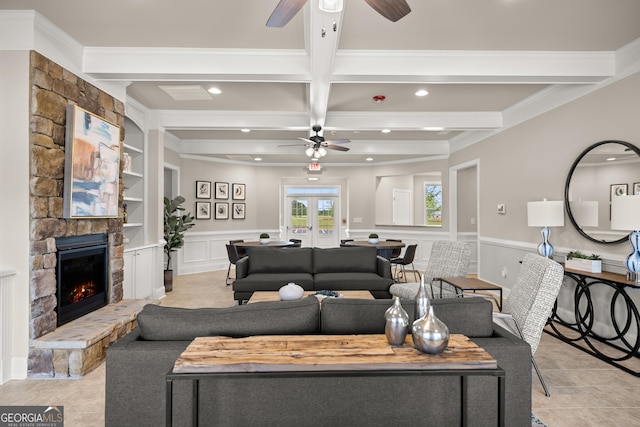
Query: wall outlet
point(503, 272)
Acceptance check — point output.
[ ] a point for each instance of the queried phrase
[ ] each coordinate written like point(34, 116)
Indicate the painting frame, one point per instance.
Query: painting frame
point(92, 165)
point(238, 191)
point(238, 210)
point(618, 190)
point(636, 188)
point(203, 210)
point(203, 189)
point(222, 191)
point(222, 210)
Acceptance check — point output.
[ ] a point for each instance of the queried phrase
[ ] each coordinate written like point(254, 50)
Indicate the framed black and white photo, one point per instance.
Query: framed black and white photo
point(238, 210)
point(237, 191)
point(203, 210)
point(222, 190)
point(203, 189)
point(222, 210)
point(636, 188)
point(619, 190)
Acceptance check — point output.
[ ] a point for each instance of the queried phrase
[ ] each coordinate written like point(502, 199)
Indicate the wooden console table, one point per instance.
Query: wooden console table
point(337, 356)
point(581, 329)
point(471, 284)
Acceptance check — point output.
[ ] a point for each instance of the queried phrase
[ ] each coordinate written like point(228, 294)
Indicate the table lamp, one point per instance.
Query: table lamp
point(545, 214)
point(625, 215)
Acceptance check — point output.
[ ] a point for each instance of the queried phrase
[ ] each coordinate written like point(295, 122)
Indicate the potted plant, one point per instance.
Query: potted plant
point(174, 227)
point(579, 261)
point(264, 238)
point(373, 238)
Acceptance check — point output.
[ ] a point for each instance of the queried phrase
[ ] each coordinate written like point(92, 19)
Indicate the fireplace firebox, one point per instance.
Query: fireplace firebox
point(81, 275)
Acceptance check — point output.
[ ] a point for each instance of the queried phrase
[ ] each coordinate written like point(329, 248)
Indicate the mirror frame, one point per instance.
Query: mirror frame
point(567, 207)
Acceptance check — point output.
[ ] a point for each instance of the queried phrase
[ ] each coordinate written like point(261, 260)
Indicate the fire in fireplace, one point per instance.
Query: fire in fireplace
point(82, 279)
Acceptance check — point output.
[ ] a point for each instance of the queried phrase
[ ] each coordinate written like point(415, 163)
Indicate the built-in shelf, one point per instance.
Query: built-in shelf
point(132, 174)
point(133, 199)
point(132, 149)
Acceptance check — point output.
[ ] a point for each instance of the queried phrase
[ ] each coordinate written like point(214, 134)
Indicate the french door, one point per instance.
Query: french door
point(312, 216)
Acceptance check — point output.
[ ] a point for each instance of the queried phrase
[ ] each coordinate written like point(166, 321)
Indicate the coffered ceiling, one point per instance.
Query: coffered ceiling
point(486, 65)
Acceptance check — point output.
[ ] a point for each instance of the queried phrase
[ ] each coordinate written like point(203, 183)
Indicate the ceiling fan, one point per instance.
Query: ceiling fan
point(393, 10)
point(317, 146)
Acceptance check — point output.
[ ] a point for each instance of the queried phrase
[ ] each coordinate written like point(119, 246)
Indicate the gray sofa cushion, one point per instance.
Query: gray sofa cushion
point(280, 260)
point(345, 260)
point(351, 281)
point(467, 316)
point(279, 318)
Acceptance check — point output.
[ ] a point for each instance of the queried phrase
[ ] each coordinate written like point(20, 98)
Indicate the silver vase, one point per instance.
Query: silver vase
point(422, 301)
point(397, 324)
point(430, 334)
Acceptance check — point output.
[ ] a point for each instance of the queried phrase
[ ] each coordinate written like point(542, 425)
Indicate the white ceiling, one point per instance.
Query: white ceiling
point(483, 62)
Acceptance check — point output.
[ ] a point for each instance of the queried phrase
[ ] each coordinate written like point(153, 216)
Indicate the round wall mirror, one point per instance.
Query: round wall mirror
point(604, 170)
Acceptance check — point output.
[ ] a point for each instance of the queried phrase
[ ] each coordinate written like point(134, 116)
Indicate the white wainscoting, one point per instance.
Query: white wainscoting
point(6, 325)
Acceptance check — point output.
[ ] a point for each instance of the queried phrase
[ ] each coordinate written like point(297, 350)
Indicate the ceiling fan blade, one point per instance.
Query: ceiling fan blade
point(284, 11)
point(336, 147)
point(337, 141)
point(308, 141)
point(393, 10)
point(291, 145)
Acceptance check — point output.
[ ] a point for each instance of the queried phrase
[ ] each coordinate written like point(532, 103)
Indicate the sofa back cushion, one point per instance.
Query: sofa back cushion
point(280, 260)
point(468, 316)
point(345, 260)
point(265, 318)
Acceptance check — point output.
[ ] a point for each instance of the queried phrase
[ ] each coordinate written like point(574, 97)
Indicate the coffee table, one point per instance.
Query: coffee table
point(263, 296)
point(333, 356)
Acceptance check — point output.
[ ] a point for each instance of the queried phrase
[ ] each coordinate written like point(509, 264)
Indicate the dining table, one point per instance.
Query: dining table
point(246, 246)
point(385, 247)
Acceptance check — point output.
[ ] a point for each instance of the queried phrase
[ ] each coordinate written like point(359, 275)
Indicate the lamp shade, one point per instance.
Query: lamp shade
point(545, 213)
point(625, 213)
point(585, 213)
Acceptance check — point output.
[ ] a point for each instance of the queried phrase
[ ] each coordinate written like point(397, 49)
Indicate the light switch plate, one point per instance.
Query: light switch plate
point(502, 209)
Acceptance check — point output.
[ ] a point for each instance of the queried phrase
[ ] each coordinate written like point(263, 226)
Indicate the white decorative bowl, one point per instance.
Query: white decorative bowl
point(290, 291)
point(373, 241)
point(263, 241)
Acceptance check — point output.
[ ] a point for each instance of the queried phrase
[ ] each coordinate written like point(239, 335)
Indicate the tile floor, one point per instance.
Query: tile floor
point(584, 390)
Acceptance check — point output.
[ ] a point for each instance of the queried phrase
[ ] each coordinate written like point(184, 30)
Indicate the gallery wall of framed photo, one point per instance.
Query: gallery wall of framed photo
point(228, 200)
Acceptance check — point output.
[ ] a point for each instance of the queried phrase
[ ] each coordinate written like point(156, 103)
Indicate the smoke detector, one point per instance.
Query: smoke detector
point(379, 98)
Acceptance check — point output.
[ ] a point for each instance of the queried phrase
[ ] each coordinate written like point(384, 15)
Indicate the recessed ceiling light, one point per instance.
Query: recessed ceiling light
point(422, 92)
point(610, 159)
point(258, 159)
point(214, 91)
point(369, 159)
point(433, 128)
point(313, 178)
point(385, 130)
point(245, 130)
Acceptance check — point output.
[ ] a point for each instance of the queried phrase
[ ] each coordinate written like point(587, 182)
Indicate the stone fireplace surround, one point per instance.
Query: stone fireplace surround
point(51, 352)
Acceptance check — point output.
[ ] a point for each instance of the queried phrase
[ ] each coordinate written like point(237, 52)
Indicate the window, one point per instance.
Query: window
point(433, 204)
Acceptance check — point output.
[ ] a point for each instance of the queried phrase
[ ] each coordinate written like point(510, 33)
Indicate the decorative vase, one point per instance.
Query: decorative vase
point(290, 291)
point(422, 300)
point(125, 214)
point(430, 334)
point(168, 280)
point(263, 241)
point(397, 323)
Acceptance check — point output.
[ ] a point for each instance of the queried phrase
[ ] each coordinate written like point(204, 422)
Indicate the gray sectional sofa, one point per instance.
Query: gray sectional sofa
point(344, 268)
point(137, 365)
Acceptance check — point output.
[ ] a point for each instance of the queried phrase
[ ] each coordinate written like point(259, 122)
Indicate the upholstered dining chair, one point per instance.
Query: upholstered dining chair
point(241, 251)
point(447, 259)
point(395, 253)
point(529, 304)
point(402, 262)
point(232, 254)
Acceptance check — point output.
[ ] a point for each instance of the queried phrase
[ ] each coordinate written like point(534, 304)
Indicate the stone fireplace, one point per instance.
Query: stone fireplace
point(52, 89)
